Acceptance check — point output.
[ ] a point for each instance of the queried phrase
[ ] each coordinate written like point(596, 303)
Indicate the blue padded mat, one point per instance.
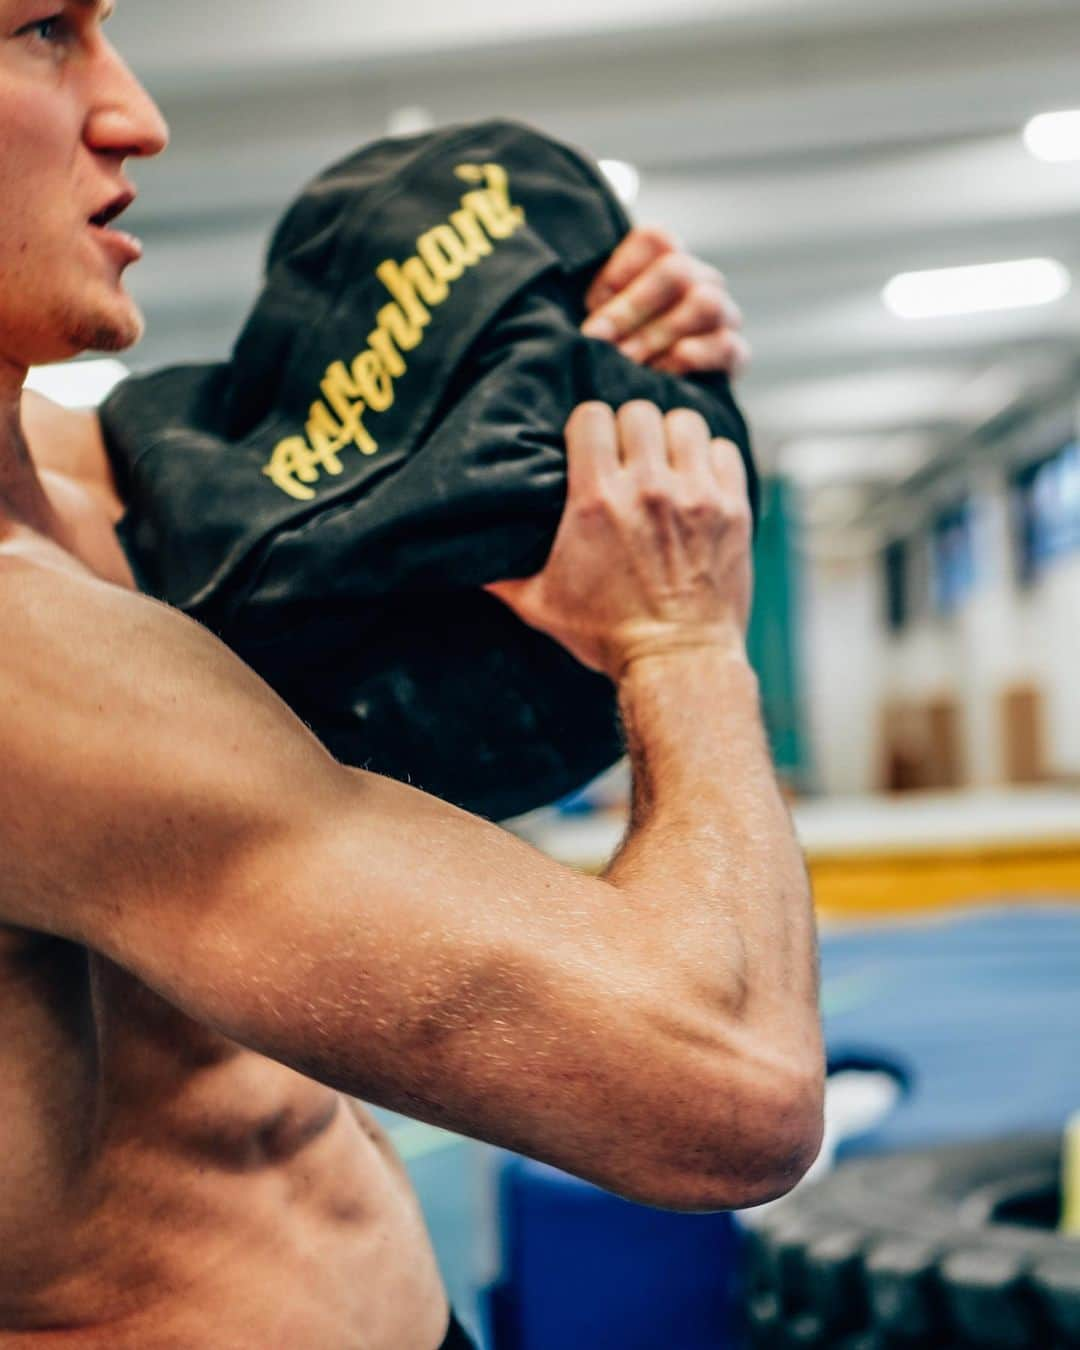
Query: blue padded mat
point(980, 1011)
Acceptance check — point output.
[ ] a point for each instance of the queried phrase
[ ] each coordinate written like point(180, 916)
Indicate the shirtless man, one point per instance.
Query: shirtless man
point(213, 935)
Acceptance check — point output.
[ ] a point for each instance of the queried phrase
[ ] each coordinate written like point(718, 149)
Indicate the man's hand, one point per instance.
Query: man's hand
point(666, 309)
point(653, 550)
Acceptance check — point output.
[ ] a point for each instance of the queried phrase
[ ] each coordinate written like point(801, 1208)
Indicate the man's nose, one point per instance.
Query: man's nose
point(123, 120)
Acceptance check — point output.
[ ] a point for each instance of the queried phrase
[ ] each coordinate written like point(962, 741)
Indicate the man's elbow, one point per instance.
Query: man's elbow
point(754, 1146)
point(792, 1117)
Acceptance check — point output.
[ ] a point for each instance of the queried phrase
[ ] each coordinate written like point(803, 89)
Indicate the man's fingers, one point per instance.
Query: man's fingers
point(592, 447)
point(727, 351)
point(705, 309)
point(687, 441)
point(658, 289)
point(641, 247)
point(642, 438)
point(727, 465)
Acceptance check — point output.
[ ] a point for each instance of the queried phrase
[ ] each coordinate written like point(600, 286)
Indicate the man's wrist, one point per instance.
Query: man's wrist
point(679, 686)
point(716, 644)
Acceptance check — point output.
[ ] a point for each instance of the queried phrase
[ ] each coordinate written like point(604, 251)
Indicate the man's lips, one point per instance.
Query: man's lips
point(114, 207)
point(124, 247)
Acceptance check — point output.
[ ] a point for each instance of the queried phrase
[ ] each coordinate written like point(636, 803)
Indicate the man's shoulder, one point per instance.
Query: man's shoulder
point(43, 591)
point(39, 583)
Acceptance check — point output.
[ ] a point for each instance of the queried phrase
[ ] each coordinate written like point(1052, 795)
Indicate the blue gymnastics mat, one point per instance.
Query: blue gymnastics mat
point(979, 1012)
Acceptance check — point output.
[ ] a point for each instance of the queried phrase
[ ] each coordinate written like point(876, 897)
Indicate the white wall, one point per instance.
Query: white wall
point(842, 660)
point(1048, 637)
point(1002, 634)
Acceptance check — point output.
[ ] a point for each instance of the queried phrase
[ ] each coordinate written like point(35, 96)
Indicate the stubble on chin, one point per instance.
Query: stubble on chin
point(105, 339)
point(109, 337)
point(102, 332)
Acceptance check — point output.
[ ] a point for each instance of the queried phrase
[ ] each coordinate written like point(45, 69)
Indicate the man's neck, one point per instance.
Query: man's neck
point(22, 498)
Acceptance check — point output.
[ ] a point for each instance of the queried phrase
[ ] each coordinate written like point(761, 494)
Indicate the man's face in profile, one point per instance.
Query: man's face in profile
point(70, 115)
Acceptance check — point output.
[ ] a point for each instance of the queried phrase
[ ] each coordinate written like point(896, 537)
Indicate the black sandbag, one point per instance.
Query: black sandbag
point(387, 438)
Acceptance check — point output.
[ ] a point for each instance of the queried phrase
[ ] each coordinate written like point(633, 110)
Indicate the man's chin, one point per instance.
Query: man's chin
point(116, 339)
point(114, 330)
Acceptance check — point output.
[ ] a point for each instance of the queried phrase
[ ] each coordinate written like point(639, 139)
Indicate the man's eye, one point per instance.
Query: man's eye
point(45, 30)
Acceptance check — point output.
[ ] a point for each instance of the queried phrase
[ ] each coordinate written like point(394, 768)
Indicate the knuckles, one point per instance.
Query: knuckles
point(708, 308)
point(596, 508)
point(675, 271)
point(656, 499)
point(737, 517)
point(697, 500)
point(703, 512)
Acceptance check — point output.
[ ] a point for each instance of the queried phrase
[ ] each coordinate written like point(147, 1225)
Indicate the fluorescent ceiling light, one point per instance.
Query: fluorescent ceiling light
point(624, 179)
point(77, 384)
point(977, 290)
point(1054, 137)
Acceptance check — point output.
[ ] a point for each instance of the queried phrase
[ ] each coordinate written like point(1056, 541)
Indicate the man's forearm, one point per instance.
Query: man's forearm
point(711, 851)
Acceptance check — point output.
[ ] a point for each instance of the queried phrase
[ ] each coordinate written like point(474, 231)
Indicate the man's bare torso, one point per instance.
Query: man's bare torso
point(163, 1187)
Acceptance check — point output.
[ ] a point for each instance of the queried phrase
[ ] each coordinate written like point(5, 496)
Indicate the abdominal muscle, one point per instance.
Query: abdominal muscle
point(197, 1197)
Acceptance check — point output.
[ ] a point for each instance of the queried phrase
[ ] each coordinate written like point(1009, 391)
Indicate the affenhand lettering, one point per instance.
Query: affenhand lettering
point(350, 391)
